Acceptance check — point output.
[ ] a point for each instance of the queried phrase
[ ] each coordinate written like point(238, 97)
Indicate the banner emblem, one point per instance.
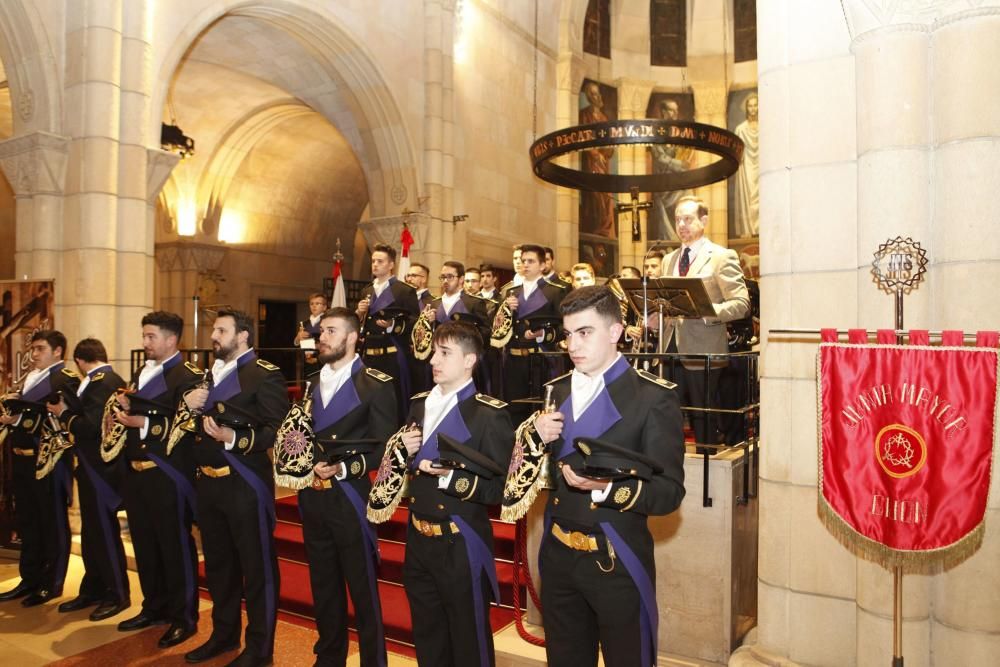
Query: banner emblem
point(900, 450)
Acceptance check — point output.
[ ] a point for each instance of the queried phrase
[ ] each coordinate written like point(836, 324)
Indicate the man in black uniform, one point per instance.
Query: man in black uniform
point(598, 574)
point(455, 303)
point(40, 505)
point(533, 298)
point(243, 406)
point(349, 403)
point(105, 581)
point(158, 491)
point(449, 572)
point(386, 337)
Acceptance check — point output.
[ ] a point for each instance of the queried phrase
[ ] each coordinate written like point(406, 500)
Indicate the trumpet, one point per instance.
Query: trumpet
point(54, 441)
point(186, 419)
point(112, 431)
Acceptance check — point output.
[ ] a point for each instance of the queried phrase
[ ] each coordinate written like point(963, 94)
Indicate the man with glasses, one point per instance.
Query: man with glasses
point(456, 304)
point(417, 278)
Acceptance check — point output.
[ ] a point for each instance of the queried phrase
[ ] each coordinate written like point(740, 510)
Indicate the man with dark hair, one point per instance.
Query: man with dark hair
point(242, 408)
point(534, 300)
point(158, 490)
point(472, 281)
point(357, 406)
point(549, 268)
point(105, 580)
point(449, 571)
point(598, 520)
point(417, 278)
point(488, 282)
point(387, 309)
point(652, 263)
point(40, 504)
point(453, 304)
point(630, 272)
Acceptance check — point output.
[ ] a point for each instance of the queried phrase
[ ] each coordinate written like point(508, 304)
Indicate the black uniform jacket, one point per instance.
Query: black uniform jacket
point(543, 302)
point(167, 389)
point(489, 431)
point(82, 418)
point(637, 411)
point(27, 431)
point(257, 388)
point(473, 305)
point(397, 295)
point(363, 408)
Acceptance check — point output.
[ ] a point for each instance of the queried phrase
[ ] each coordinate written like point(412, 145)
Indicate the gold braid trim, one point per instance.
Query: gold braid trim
point(524, 478)
point(390, 482)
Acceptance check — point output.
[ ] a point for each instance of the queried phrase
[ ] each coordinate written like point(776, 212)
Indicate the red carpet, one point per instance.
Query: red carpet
point(295, 602)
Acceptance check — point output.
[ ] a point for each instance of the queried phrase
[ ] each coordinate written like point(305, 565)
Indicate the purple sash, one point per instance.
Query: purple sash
point(265, 526)
point(41, 390)
point(649, 620)
point(108, 502)
point(480, 560)
point(534, 302)
point(452, 425)
point(599, 416)
point(458, 308)
point(383, 300)
point(341, 403)
point(158, 384)
point(230, 385)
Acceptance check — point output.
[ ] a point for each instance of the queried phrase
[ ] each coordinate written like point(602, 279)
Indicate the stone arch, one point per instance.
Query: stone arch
point(31, 69)
point(382, 142)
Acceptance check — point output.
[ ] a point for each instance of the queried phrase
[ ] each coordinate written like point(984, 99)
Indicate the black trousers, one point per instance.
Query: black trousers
point(100, 534)
point(165, 553)
point(697, 387)
point(338, 552)
point(42, 522)
point(239, 560)
point(438, 584)
point(585, 609)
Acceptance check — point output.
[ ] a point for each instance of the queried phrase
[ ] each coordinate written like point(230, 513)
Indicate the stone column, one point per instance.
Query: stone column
point(633, 98)
point(89, 290)
point(710, 108)
point(569, 78)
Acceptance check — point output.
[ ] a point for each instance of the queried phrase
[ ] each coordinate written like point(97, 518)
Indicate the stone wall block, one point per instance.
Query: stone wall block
point(875, 641)
point(98, 220)
point(775, 222)
point(775, 533)
point(822, 116)
point(99, 166)
point(823, 217)
point(894, 88)
point(819, 564)
point(804, 459)
point(776, 431)
point(964, 56)
point(954, 646)
point(966, 183)
point(822, 631)
point(875, 591)
point(965, 597)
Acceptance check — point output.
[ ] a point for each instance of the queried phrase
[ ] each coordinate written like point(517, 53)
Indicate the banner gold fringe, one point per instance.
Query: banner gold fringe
point(525, 480)
point(293, 482)
point(391, 482)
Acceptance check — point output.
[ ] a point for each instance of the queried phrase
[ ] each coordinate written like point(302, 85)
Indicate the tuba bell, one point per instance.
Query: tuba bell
point(422, 335)
point(294, 445)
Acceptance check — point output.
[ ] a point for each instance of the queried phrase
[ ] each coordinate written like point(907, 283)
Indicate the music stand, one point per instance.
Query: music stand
point(678, 297)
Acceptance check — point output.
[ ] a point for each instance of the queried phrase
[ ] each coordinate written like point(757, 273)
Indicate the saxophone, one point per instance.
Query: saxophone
point(54, 441)
point(186, 419)
point(422, 335)
point(294, 445)
point(113, 432)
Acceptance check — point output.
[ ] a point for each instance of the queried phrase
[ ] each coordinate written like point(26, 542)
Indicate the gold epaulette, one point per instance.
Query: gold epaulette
point(70, 373)
point(490, 401)
point(561, 377)
point(97, 377)
point(194, 369)
point(378, 375)
point(267, 365)
point(655, 379)
point(423, 394)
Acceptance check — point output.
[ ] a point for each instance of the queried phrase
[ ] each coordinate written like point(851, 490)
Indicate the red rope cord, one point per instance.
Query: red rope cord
point(521, 560)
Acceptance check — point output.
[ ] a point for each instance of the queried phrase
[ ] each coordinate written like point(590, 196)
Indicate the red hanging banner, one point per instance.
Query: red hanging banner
point(906, 447)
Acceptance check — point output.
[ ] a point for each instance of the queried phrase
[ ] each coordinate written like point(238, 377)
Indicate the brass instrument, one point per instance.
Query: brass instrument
point(390, 482)
point(54, 441)
point(503, 325)
point(623, 303)
point(422, 334)
point(112, 431)
point(5, 412)
point(528, 472)
point(294, 445)
point(186, 419)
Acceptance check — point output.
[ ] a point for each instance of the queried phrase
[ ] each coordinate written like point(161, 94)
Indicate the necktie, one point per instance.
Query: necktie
point(685, 261)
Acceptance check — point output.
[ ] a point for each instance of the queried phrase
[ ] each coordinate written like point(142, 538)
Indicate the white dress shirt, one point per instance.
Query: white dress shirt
point(436, 406)
point(585, 388)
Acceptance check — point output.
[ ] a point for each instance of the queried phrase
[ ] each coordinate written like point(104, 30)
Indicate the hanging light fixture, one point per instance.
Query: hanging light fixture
point(173, 139)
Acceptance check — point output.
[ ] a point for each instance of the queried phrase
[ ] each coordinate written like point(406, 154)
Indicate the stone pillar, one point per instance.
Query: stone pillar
point(569, 78)
point(89, 292)
point(633, 98)
point(710, 108)
point(874, 124)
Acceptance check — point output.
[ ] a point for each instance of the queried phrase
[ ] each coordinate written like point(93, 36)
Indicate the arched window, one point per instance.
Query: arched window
point(745, 30)
point(597, 28)
point(668, 33)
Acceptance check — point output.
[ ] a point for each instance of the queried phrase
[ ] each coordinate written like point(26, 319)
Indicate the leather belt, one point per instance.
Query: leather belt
point(575, 539)
point(139, 466)
point(376, 351)
point(321, 484)
point(209, 471)
point(522, 351)
point(23, 452)
point(430, 529)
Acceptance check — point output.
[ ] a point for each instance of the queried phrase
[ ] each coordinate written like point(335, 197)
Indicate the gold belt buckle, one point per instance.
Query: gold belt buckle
point(579, 541)
point(424, 527)
point(318, 484)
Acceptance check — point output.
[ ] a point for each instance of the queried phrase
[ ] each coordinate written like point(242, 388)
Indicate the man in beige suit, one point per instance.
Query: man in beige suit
point(719, 268)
